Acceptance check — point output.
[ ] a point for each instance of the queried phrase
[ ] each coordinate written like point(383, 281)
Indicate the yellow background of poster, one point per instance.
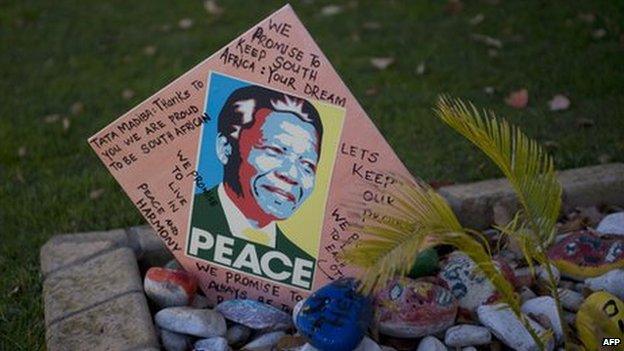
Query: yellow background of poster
point(304, 227)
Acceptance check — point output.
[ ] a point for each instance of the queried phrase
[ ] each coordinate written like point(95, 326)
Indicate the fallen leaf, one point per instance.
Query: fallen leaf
point(212, 7)
point(550, 145)
point(66, 123)
point(22, 151)
point(53, 118)
point(331, 10)
point(604, 158)
point(487, 40)
point(96, 194)
point(587, 17)
point(149, 50)
point(185, 23)
point(165, 28)
point(453, 7)
point(559, 102)
point(492, 53)
point(76, 108)
point(420, 69)
point(371, 25)
point(584, 123)
point(599, 33)
point(15, 291)
point(127, 94)
point(19, 176)
point(476, 19)
point(371, 91)
point(382, 63)
point(489, 90)
point(518, 99)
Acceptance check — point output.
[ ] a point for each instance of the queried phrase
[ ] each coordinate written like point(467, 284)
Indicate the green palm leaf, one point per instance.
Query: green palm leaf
point(522, 160)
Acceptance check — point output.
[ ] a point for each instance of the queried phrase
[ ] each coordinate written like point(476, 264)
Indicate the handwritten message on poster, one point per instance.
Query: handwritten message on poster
point(243, 165)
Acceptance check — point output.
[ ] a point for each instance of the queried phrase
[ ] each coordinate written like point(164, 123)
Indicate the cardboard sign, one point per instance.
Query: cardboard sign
point(243, 164)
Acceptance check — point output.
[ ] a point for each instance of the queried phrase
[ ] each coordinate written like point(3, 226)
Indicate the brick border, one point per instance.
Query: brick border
point(93, 291)
point(92, 284)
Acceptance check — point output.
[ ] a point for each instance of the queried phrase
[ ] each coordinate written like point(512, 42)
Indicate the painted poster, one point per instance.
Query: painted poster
point(244, 164)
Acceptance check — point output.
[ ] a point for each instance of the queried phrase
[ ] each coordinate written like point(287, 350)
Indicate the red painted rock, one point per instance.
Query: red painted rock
point(408, 308)
point(468, 283)
point(169, 287)
point(584, 254)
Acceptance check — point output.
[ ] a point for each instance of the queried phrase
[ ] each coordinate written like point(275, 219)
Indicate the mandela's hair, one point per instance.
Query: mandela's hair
point(240, 112)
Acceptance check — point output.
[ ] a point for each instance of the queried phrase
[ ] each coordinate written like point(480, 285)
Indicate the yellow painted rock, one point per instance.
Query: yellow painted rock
point(600, 321)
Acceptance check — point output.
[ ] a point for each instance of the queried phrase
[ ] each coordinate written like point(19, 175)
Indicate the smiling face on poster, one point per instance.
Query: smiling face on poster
point(244, 164)
point(266, 156)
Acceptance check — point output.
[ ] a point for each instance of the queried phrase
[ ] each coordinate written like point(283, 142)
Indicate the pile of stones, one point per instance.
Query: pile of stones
point(445, 304)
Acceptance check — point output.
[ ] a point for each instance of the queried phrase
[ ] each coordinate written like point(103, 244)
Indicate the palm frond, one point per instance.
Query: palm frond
point(522, 160)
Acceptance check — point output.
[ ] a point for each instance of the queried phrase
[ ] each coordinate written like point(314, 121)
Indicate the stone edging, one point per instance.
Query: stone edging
point(92, 284)
point(93, 292)
point(480, 204)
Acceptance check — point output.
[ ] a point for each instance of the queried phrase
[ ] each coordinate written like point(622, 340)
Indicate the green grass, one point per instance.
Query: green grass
point(54, 53)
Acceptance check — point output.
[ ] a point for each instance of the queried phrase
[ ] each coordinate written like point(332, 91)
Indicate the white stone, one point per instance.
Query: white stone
point(430, 343)
point(217, 343)
point(200, 301)
point(367, 344)
point(264, 342)
point(570, 299)
point(296, 310)
point(172, 341)
point(467, 335)
point(612, 282)
point(526, 294)
point(504, 324)
point(186, 320)
point(612, 224)
point(544, 307)
point(542, 274)
point(237, 334)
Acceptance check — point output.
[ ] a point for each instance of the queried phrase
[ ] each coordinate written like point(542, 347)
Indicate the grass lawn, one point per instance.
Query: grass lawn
point(56, 53)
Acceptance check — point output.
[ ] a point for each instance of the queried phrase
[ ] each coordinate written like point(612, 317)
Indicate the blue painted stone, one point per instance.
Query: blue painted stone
point(255, 314)
point(335, 317)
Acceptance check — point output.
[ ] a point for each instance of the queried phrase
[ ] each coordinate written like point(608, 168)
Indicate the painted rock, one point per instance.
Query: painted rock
point(504, 324)
point(175, 342)
point(169, 287)
point(187, 320)
point(601, 316)
point(612, 224)
point(468, 283)
point(584, 254)
point(431, 343)
point(335, 317)
point(410, 308)
point(216, 343)
point(526, 294)
point(264, 341)
point(254, 314)
point(237, 334)
point(467, 335)
point(612, 282)
point(570, 299)
point(544, 310)
point(426, 263)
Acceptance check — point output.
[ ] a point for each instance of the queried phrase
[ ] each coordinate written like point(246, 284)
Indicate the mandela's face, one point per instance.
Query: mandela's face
point(279, 156)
